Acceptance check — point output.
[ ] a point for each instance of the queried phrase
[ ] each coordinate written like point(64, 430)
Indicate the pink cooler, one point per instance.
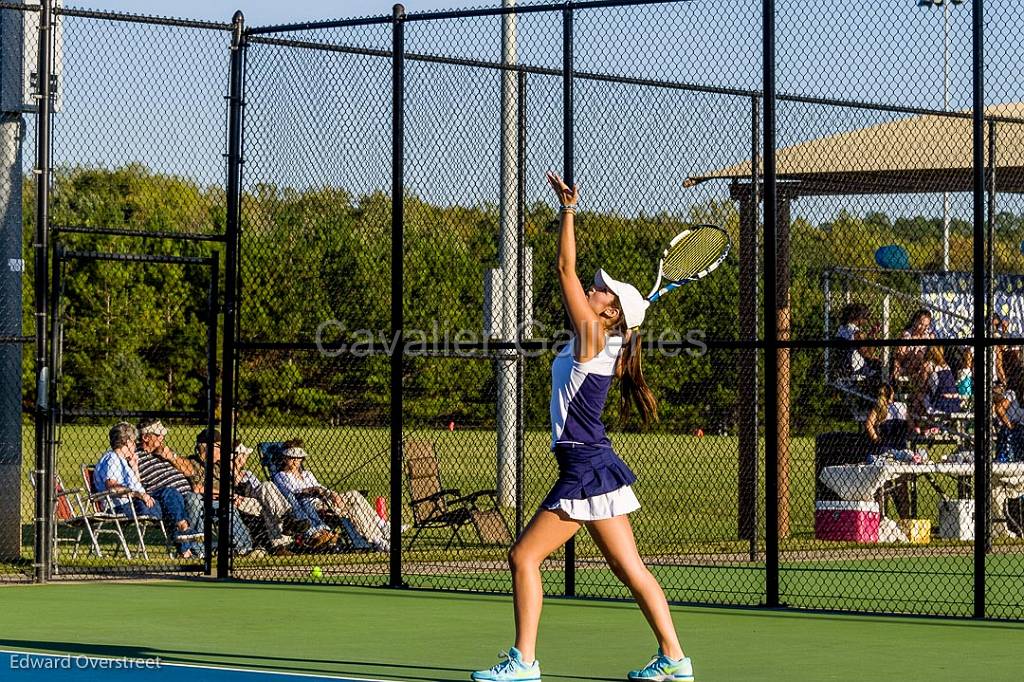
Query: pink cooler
point(846, 521)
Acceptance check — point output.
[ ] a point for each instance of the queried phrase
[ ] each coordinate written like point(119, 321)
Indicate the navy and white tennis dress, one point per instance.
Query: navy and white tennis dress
point(593, 482)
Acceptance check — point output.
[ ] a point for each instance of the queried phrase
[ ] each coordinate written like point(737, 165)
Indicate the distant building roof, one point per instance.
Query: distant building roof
point(918, 154)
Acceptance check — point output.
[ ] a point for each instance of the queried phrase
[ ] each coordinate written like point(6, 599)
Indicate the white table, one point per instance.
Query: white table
point(862, 482)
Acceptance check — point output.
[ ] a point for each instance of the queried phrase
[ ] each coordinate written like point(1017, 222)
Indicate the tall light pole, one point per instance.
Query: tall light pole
point(944, 4)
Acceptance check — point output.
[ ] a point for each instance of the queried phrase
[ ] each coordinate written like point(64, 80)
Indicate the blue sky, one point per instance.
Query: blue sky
point(635, 145)
point(260, 12)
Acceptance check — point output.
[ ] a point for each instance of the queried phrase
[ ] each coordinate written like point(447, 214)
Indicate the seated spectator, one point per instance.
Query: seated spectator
point(940, 392)
point(860, 363)
point(156, 471)
point(965, 373)
point(118, 471)
point(242, 541)
point(265, 502)
point(1000, 329)
point(1009, 433)
point(888, 426)
point(908, 361)
point(314, 498)
point(888, 422)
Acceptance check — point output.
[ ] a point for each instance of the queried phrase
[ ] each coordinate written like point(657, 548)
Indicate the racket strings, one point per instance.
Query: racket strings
point(694, 253)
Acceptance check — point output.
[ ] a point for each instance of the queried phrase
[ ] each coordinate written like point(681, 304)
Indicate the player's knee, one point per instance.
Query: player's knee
point(519, 559)
point(618, 570)
point(631, 574)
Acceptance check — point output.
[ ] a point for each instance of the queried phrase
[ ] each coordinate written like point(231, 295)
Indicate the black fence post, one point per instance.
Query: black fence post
point(569, 175)
point(771, 321)
point(747, 410)
point(981, 316)
point(44, 132)
point(53, 416)
point(397, 284)
point(234, 181)
point(211, 389)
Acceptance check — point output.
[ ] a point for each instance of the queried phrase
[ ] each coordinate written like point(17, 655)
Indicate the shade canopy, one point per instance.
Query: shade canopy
point(913, 155)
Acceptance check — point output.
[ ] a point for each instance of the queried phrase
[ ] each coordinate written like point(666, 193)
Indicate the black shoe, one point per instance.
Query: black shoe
point(294, 526)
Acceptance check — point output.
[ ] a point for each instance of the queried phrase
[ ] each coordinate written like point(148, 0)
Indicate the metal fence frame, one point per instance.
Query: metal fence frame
point(764, 188)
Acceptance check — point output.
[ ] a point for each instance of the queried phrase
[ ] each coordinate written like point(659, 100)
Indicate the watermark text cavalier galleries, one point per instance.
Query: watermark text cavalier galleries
point(365, 342)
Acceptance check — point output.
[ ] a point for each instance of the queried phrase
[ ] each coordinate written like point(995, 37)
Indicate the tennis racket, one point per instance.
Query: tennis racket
point(692, 254)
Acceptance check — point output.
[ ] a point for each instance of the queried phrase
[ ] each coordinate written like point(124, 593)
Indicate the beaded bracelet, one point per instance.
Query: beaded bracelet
point(568, 208)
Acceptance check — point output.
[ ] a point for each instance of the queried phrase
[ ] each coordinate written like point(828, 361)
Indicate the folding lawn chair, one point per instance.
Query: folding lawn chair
point(69, 512)
point(434, 506)
point(103, 503)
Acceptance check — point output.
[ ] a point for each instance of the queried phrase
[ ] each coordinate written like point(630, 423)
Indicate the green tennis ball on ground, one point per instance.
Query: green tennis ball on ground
point(316, 572)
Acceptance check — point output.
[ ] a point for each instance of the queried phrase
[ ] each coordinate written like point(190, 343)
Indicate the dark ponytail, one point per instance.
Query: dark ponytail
point(633, 390)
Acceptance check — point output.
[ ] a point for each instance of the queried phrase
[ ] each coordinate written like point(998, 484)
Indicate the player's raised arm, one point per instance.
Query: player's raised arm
point(582, 317)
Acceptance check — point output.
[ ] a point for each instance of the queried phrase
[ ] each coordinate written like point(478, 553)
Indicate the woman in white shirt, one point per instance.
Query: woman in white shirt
point(862, 362)
point(300, 482)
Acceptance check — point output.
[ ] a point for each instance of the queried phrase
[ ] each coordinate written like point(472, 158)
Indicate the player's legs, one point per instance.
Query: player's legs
point(614, 537)
point(546, 532)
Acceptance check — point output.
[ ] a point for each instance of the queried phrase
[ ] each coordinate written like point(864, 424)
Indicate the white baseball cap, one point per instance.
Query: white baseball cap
point(634, 305)
point(156, 428)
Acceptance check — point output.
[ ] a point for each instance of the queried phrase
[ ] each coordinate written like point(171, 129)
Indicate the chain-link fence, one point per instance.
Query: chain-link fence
point(390, 308)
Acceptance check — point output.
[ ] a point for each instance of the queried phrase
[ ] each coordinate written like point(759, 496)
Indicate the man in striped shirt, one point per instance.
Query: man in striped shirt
point(160, 468)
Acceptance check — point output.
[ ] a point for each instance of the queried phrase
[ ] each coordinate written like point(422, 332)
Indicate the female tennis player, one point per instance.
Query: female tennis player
point(593, 486)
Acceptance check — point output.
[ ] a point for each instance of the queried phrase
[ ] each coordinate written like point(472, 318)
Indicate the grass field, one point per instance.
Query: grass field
point(403, 635)
point(687, 527)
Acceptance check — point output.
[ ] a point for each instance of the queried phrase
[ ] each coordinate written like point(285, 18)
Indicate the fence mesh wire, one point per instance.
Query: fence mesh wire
point(874, 467)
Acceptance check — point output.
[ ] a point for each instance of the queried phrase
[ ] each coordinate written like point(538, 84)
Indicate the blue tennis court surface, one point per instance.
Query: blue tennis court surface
point(19, 666)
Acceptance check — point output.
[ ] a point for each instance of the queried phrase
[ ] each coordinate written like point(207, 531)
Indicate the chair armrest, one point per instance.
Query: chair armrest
point(69, 491)
point(473, 497)
point(104, 494)
point(448, 492)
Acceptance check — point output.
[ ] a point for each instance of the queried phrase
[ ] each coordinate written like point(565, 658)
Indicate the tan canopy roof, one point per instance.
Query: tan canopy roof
point(927, 153)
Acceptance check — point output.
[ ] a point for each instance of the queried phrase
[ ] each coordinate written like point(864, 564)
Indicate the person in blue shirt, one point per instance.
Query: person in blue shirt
point(594, 486)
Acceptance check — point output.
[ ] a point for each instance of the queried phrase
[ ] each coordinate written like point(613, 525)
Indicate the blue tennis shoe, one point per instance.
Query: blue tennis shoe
point(664, 669)
point(512, 669)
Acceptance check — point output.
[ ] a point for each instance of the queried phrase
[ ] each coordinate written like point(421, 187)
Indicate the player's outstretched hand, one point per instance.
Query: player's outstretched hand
point(566, 196)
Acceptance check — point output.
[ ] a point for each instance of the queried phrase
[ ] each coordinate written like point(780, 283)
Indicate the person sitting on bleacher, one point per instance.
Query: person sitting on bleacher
point(940, 391)
point(888, 422)
point(118, 471)
point(888, 426)
point(314, 499)
point(908, 362)
point(1009, 434)
point(860, 364)
point(965, 373)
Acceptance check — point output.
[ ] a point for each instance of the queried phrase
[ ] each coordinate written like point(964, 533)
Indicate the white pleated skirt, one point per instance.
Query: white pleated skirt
point(616, 503)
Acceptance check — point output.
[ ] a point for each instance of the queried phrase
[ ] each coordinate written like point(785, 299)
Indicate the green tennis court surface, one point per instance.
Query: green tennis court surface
point(418, 635)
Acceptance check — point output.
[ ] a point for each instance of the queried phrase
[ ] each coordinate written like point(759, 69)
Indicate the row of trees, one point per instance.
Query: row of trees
point(135, 335)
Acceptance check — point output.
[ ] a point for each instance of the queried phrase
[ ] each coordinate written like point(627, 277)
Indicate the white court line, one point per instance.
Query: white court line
point(163, 663)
